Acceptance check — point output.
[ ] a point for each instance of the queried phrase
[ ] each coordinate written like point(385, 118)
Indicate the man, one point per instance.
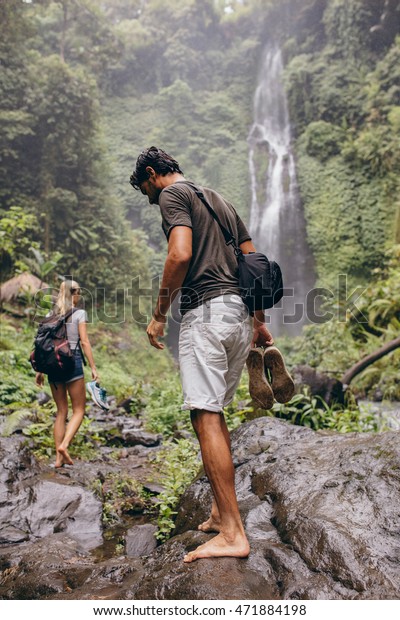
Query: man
point(216, 331)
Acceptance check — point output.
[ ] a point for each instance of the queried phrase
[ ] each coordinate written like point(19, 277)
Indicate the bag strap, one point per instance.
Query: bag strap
point(65, 318)
point(229, 238)
point(78, 344)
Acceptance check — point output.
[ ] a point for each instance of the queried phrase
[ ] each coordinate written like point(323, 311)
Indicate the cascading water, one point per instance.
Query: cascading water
point(277, 222)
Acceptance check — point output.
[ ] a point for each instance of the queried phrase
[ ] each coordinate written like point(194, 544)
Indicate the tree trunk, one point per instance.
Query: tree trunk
point(368, 360)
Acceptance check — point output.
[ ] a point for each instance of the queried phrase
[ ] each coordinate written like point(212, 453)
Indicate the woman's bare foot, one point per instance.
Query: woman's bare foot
point(59, 461)
point(219, 547)
point(65, 457)
point(211, 525)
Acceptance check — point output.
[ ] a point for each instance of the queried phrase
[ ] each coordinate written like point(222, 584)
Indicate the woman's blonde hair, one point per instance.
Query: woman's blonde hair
point(64, 298)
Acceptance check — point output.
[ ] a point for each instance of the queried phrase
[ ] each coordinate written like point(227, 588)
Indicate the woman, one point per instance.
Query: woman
point(68, 298)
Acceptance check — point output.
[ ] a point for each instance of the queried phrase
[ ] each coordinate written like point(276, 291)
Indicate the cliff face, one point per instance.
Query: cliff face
point(342, 84)
point(320, 510)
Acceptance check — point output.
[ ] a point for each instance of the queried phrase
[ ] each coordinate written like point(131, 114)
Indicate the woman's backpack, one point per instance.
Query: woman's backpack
point(52, 352)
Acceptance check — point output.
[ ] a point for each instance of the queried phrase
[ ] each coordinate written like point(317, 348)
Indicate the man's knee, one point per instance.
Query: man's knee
point(203, 420)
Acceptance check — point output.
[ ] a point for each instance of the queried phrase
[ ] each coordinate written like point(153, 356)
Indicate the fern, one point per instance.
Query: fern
point(14, 420)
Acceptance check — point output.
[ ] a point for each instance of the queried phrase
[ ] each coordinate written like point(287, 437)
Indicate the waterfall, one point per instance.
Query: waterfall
point(277, 222)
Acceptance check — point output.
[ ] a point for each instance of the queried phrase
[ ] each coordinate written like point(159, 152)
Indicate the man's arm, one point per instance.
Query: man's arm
point(261, 335)
point(175, 270)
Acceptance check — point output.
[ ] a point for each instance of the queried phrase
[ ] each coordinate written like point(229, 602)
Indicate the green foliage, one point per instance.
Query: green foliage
point(79, 102)
point(163, 412)
point(322, 140)
point(14, 420)
point(333, 347)
point(86, 441)
point(238, 411)
point(177, 464)
point(120, 495)
point(346, 120)
point(313, 412)
point(16, 229)
point(126, 362)
point(16, 376)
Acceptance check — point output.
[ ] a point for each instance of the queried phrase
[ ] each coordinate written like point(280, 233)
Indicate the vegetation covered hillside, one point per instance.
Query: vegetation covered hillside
point(85, 86)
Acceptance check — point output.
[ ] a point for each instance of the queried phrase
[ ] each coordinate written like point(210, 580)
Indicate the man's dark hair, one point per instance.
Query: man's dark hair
point(159, 160)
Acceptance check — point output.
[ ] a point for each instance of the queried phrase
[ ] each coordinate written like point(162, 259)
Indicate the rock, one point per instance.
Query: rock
point(153, 487)
point(328, 388)
point(43, 398)
point(59, 568)
point(16, 462)
point(166, 576)
point(35, 504)
point(320, 511)
point(41, 507)
point(318, 508)
point(10, 534)
point(140, 540)
point(126, 404)
point(134, 437)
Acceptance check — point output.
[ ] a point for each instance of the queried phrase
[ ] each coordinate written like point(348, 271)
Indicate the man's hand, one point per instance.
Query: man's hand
point(155, 330)
point(262, 337)
point(39, 379)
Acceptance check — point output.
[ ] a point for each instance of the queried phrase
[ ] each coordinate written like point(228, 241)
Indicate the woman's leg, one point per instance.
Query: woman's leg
point(77, 393)
point(60, 397)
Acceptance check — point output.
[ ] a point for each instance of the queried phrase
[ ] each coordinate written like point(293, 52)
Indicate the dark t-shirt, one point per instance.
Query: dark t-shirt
point(213, 269)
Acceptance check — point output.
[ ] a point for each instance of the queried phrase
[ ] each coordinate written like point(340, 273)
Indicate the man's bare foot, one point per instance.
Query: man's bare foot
point(211, 525)
point(219, 547)
point(65, 457)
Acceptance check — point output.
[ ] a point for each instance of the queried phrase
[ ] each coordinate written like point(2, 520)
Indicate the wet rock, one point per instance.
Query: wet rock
point(140, 540)
point(41, 507)
point(318, 508)
point(16, 462)
point(166, 576)
point(59, 568)
point(44, 569)
point(35, 504)
point(320, 511)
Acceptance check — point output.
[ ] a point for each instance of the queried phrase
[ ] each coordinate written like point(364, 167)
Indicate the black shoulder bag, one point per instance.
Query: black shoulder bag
point(260, 280)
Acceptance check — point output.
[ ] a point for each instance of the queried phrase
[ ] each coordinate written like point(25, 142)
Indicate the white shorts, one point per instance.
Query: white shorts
point(214, 342)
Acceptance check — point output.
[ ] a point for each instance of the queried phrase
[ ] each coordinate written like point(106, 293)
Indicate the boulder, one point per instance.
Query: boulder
point(331, 390)
point(59, 568)
point(320, 510)
point(166, 576)
point(35, 504)
point(140, 540)
point(43, 398)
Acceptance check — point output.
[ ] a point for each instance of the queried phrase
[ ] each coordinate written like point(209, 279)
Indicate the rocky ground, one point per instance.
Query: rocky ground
point(322, 512)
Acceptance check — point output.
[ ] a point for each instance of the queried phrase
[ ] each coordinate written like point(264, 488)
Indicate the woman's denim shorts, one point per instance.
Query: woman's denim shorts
point(77, 372)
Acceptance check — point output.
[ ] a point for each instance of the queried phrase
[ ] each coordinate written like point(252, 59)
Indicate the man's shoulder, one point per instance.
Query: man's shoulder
point(188, 189)
point(180, 189)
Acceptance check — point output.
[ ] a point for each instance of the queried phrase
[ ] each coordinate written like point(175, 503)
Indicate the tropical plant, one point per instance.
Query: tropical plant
point(313, 412)
point(177, 463)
